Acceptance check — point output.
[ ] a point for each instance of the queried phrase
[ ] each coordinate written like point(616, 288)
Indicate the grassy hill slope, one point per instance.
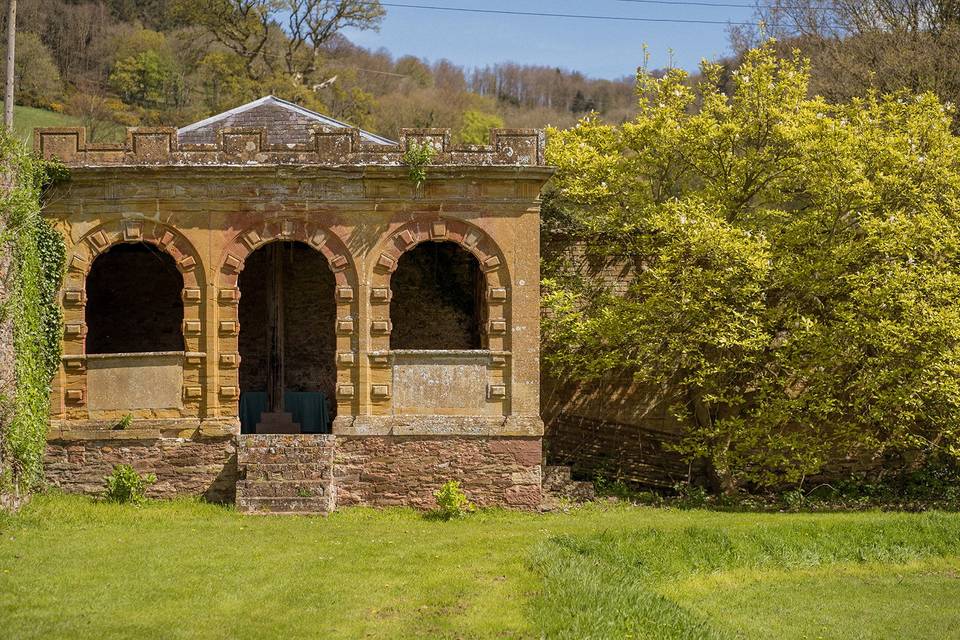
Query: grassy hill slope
point(26, 118)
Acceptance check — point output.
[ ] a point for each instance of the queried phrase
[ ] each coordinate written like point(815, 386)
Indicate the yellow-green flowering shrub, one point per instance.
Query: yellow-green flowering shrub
point(796, 281)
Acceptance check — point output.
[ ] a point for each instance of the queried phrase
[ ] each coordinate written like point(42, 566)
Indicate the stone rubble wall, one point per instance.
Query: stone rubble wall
point(204, 467)
point(613, 427)
point(397, 470)
point(377, 471)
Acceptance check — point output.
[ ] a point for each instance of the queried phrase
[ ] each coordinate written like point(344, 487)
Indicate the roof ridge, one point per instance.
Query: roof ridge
point(286, 104)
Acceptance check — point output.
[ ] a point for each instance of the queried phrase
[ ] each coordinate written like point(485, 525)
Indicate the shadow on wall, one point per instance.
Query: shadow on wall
point(125, 316)
point(612, 427)
point(437, 299)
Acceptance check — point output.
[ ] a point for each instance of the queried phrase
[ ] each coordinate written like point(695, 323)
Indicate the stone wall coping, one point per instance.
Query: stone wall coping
point(135, 355)
point(142, 429)
point(422, 425)
point(181, 172)
point(440, 355)
point(249, 146)
point(441, 352)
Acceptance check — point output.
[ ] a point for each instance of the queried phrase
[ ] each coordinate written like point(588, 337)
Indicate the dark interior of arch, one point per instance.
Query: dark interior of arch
point(309, 316)
point(134, 302)
point(437, 299)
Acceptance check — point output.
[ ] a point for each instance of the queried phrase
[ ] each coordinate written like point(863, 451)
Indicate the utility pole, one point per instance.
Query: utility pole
point(11, 43)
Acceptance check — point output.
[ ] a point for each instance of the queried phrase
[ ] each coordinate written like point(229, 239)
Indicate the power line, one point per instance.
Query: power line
point(580, 16)
point(725, 5)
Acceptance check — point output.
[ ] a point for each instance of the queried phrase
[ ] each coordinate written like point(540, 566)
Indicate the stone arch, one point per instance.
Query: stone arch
point(469, 237)
point(344, 272)
point(80, 258)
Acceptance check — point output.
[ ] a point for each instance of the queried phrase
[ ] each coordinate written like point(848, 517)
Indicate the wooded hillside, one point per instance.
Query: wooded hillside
point(171, 62)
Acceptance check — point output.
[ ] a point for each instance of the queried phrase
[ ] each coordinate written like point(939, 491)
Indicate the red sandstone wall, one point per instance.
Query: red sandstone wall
point(375, 471)
point(395, 470)
point(437, 294)
point(206, 467)
point(309, 314)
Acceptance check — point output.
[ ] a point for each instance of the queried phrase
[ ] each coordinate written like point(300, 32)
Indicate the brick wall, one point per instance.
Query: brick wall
point(436, 299)
point(123, 314)
point(309, 314)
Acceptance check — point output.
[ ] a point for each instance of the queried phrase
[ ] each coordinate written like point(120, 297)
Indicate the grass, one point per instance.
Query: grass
point(71, 567)
point(26, 118)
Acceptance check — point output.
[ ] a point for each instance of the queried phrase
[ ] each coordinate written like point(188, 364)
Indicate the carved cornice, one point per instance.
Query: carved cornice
point(159, 146)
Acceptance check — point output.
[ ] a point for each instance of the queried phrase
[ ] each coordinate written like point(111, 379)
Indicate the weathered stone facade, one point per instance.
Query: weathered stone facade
point(210, 206)
point(200, 466)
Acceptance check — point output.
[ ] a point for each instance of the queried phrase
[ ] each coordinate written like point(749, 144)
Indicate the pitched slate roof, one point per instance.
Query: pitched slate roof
point(285, 123)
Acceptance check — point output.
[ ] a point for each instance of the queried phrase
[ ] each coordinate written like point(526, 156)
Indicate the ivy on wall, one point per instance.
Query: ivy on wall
point(37, 254)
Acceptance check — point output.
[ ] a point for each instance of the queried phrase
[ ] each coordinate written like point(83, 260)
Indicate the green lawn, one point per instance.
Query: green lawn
point(70, 567)
point(26, 118)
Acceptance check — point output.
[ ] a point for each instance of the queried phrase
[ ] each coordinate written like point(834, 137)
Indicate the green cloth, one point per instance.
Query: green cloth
point(309, 409)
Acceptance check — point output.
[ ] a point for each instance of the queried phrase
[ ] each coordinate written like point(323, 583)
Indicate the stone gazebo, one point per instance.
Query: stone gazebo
point(264, 305)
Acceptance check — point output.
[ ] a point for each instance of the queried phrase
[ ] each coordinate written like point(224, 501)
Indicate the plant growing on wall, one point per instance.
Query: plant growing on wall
point(418, 156)
point(124, 485)
point(795, 268)
point(37, 255)
point(452, 502)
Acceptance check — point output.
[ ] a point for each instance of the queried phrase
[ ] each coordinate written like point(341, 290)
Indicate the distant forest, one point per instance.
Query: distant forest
point(115, 63)
point(172, 62)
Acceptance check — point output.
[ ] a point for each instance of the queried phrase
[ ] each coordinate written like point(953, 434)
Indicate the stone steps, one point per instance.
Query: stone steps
point(285, 506)
point(559, 485)
point(285, 473)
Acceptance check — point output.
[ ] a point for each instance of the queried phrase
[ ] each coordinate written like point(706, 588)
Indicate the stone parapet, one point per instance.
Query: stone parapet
point(249, 146)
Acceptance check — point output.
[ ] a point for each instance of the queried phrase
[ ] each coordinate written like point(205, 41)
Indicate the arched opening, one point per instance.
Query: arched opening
point(134, 302)
point(437, 299)
point(287, 341)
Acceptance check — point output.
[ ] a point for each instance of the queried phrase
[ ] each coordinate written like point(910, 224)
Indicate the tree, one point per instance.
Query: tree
point(146, 79)
point(477, 125)
point(312, 23)
point(93, 110)
point(36, 78)
point(278, 35)
point(857, 46)
point(794, 268)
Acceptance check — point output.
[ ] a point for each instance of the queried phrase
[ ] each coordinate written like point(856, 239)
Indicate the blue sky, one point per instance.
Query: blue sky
point(599, 48)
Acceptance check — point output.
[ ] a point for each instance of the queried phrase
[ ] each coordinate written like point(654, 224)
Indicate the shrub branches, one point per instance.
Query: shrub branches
point(796, 268)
